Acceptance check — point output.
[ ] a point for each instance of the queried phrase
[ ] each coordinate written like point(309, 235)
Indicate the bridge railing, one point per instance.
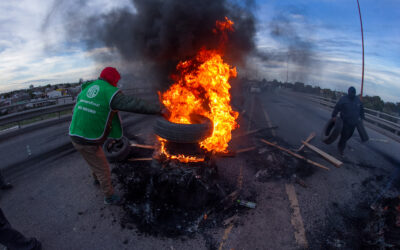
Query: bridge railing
point(17, 120)
point(385, 123)
point(38, 114)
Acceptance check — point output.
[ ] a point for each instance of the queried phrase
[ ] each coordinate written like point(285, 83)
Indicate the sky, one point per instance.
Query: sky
point(34, 53)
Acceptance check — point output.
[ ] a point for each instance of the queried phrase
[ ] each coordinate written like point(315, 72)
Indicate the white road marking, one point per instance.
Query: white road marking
point(28, 150)
point(296, 219)
point(226, 235)
point(269, 123)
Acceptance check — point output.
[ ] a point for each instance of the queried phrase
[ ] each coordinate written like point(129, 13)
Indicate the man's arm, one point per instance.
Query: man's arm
point(133, 104)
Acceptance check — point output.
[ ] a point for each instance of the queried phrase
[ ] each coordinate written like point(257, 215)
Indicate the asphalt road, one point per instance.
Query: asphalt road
point(17, 150)
point(370, 170)
point(46, 139)
point(56, 202)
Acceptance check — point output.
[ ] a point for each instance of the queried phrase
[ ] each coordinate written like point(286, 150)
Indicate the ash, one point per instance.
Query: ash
point(382, 230)
point(168, 198)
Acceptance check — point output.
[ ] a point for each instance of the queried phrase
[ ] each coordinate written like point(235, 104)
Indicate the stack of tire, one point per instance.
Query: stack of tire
point(333, 128)
point(117, 150)
point(201, 128)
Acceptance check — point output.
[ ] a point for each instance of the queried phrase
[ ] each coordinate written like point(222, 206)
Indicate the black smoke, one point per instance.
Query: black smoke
point(160, 33)
point(292, 30)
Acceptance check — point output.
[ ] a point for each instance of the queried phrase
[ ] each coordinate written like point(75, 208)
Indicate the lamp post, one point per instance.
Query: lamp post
point(362, 42)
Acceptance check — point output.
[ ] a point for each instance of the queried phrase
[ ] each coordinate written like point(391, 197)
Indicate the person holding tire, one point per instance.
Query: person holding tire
point(351, 111)
point(95, 118)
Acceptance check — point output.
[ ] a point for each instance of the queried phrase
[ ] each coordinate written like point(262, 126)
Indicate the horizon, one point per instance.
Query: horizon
point(31, 53)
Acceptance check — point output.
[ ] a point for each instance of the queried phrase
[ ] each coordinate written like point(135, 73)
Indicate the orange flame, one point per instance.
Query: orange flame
point(179, 157)
point(202, 87)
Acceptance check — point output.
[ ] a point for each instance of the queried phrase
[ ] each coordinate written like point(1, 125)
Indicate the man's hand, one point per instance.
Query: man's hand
point(165, 113)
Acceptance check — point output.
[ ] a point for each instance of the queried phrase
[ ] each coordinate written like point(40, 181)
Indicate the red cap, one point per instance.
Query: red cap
point(111, 75)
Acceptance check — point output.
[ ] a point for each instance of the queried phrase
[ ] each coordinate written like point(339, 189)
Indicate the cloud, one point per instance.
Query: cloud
point(33, 48)
point(337, 50)
point(28, 54)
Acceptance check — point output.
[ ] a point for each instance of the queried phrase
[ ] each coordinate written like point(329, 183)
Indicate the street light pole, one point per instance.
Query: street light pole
point(362, 41)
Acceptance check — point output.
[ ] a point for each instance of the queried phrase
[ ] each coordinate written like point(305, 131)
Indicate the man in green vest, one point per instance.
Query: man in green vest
point(96, 118)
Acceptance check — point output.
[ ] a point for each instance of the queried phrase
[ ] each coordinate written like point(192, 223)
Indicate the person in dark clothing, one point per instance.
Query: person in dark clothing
point(351, 111)
point(3, 183)
point(13, 239)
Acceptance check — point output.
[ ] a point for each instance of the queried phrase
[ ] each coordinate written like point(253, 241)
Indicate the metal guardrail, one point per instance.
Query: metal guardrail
point(56, 100)
point(40, 112)
point(34, 113)
point(382, 122)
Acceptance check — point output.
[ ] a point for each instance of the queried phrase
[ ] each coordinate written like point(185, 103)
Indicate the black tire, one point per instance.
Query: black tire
point(362, 132)
point(116, 150)
point(332, 130)
point(184, 133)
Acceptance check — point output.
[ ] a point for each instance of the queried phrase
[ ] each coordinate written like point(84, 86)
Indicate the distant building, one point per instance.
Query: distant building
point(62, 90)
point(38, 94)
point(54, 94)
point(74, 91)
point(41, 103)
point(20, 97)
point(5, 102)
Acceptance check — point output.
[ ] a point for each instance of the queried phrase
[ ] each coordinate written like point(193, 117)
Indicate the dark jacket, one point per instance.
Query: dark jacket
point(351, 110)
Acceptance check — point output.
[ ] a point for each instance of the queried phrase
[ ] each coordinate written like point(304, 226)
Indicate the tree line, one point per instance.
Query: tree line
point(371, 102)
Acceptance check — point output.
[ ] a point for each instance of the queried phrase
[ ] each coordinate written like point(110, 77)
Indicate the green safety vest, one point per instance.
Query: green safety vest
point(92, 112)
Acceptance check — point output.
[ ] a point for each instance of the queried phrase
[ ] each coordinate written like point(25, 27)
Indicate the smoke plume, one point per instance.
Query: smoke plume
point(160, 33)
point(291, 29)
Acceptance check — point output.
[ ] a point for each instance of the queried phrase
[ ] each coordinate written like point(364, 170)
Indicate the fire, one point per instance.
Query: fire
point(179, 157)
point(202, 87)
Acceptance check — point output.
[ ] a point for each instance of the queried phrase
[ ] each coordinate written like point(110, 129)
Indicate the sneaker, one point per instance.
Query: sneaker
point(113, 200)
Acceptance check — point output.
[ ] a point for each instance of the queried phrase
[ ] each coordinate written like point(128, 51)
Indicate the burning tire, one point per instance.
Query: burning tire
point(184, 133)
point(332, 130)
point(116, 150)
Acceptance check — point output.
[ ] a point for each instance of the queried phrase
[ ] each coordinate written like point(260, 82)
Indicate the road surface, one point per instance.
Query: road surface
point(56, 202)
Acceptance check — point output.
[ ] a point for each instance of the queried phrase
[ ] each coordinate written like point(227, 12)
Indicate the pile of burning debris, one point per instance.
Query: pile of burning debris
point(171, 198)
point(177, 190)
point(382, 230)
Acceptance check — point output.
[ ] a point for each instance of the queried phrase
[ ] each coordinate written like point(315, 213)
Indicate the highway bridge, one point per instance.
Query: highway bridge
point(55, 201)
